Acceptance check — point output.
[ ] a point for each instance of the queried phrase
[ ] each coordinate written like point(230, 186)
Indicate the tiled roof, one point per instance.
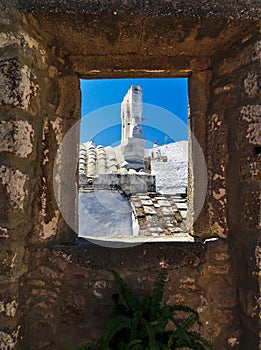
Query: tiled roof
point(160, 215)
point(151, 216)
point(94, 161)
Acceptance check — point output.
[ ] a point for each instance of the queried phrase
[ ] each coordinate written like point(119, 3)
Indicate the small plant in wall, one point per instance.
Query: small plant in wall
point(142, 324)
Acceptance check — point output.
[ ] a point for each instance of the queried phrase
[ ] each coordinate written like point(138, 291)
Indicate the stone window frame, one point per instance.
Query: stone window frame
point(197, 107)
point(206, 119)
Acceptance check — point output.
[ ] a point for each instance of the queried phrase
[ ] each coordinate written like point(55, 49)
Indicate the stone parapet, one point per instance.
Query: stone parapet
point(129, 183)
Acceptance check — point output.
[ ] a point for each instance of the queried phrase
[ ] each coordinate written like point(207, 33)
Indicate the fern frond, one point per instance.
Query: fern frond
point(183, 308)
point(131, 301)
point(151, 335)
point(134, 342)
point(197, 337)
point(145, 303)
point(90, 347)
point(171, 341)
point(119, 308)
point(157, 294)
point(188, 322)
point(115, 325)
point(135, 324)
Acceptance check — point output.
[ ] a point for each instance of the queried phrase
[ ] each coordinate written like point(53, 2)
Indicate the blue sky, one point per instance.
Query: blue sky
point(165, 107)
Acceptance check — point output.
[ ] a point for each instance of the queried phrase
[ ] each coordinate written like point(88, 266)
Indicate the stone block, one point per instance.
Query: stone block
point(249, 53)
point(250, 302)
point(45, 293)
point(252, 115)
point(251, 211)
point(178, 216)
point(225, 298)
point(4, 232)
point(152, 221)
point(7, 260)
point(156, 230)
point(13, 183)
point(10, 38)
point(43, 327)
point(223, 269)
point(12, 231)
point(36, 283)
point(217, 165)
point(16, 137)
point(11, 262)
point(166, 211)
point(258, 258)
point(143, 197)
point(137, 204)
point(183, 213)
point(217, 251)
point(181, 206)
point(8, 340)
point(73, 309)
point(69, 93)
point(250, 168)
point(140, 212)
point(8, 309)
point(146, 202)
point(177, 230)
point(149, 210)
point(48, 273)
point(251, 84)
point(234, 340)
point(58, 263)
point(20, 41)
point(16, 86)
point(168, 221)
point(164, 203)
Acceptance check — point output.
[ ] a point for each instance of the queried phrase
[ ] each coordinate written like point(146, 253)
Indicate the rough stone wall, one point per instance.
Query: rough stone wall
point(235, 124)
point(31, 91)
point(69, 289)
point(42, 290)
point(20, 120)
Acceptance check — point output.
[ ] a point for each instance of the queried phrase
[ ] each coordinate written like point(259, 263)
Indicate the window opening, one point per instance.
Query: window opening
point(133, 160)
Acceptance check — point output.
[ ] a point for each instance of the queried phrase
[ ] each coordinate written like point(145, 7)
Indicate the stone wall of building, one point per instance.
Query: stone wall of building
point(129, 183)
point(34, 118)
point(235, 117)
point(56, 296)
point(21, 64)
point(69, 289)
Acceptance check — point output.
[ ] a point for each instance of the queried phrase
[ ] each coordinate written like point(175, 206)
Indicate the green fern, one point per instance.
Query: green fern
point(114, 326)
point(132, 303)
point(141, 324)
point(157, 293)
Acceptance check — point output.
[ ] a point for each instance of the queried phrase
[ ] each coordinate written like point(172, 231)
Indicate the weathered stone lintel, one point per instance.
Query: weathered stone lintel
point(233, 9)
point(137, 65)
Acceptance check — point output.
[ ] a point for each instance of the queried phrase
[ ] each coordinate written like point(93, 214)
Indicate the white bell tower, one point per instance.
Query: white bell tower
point(132, 143)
